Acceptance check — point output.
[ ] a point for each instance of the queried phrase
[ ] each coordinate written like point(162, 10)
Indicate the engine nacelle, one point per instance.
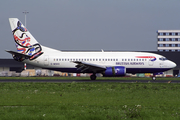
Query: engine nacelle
point(115, 71)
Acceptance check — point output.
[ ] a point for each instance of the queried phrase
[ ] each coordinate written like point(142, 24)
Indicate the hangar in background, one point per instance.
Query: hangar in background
point(12, 65)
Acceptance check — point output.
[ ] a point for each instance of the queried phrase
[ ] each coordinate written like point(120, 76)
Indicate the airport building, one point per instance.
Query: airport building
point(168, 40)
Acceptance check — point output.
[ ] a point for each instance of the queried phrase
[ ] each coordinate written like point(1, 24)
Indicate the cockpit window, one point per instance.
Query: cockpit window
point(163, 59)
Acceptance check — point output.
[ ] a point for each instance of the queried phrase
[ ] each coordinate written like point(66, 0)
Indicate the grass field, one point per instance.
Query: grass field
point(89, 101)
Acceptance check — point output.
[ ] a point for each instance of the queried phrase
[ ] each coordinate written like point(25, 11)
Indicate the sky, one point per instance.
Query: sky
point(111, 25)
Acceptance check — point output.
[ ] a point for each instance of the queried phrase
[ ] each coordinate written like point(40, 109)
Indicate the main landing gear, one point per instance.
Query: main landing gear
point(93, 76)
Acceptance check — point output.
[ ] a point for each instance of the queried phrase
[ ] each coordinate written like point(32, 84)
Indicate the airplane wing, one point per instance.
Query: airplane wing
point(18, 54)
point(83, 66)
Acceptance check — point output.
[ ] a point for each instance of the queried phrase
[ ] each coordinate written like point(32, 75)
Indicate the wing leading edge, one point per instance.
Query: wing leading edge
point(83, 66)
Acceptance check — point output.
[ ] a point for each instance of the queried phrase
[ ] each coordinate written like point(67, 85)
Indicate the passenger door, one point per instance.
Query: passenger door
point(151, 62)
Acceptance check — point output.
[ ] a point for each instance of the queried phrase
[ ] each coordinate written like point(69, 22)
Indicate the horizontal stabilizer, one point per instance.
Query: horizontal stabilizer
point(18, 54)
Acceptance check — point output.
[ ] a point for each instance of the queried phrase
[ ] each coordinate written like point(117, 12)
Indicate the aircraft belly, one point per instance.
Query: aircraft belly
point(146, 70)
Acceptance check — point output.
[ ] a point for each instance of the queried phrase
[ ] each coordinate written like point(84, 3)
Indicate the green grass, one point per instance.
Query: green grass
point(89, 101)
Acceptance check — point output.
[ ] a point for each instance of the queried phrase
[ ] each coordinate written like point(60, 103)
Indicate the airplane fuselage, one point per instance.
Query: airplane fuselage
point(134, 62)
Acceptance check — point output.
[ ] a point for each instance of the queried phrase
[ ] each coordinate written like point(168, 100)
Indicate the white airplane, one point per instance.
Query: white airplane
point(109, 64)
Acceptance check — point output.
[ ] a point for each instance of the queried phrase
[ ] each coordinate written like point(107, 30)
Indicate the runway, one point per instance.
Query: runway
point(69, 81)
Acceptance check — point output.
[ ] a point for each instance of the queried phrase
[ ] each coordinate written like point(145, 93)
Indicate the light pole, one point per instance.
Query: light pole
point(25, 12)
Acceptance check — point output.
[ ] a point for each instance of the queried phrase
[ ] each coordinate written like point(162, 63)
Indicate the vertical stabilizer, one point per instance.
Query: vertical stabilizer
point(25, 42)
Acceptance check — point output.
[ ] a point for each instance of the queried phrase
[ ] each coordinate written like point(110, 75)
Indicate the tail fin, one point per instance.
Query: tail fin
point(25, 42)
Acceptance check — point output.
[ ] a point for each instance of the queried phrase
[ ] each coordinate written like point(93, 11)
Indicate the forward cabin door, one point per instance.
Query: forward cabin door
point(151, 62)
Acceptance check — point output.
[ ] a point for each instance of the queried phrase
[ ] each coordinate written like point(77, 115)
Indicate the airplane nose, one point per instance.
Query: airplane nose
point(172, 64)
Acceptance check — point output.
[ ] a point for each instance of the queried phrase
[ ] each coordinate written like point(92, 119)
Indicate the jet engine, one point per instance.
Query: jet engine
point(115, 71)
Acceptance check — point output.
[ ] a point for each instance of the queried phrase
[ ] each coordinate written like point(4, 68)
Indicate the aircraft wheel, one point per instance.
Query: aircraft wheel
point(93, 77)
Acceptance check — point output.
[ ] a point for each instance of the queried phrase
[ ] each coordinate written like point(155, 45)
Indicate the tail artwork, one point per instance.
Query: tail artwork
point(26, 44)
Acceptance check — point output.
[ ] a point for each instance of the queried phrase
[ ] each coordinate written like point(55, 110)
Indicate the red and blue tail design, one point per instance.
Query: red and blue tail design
point(25, 43)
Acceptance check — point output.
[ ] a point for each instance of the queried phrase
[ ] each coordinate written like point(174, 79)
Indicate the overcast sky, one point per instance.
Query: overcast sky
point(122, 25)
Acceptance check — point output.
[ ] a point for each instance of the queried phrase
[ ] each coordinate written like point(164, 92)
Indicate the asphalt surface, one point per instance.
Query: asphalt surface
point(66, 81)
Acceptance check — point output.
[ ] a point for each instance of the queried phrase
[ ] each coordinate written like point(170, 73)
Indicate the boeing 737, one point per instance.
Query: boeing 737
point(109, 64)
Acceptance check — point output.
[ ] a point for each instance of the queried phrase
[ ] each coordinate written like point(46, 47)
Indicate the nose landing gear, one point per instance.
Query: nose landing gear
point(153, 78)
